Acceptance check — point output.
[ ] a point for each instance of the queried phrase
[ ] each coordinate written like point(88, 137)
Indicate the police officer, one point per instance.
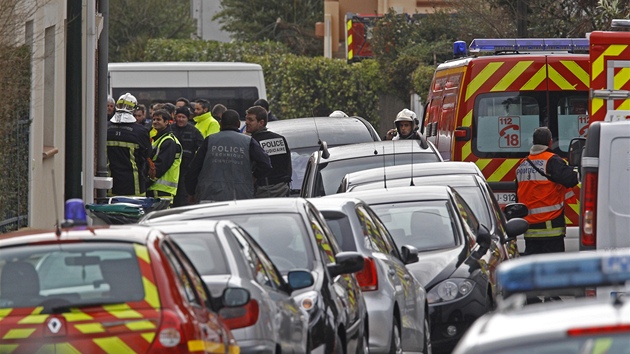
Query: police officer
point(544, 182)
point(276, 183)
point(128, 147)
point(226, 164)
point(191, 139)
point(166, 157)
point(406, 126)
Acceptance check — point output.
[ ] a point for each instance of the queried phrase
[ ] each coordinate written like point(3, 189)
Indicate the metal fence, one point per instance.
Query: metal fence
point(14, 175)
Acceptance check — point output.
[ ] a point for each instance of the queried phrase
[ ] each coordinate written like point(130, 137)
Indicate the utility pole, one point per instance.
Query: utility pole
point(521, 18)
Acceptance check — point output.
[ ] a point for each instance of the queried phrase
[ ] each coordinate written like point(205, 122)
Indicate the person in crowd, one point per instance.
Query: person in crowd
point(191, 139)
point(111, 107)
point(544, 182)
point(217, 111)
point(141, 116)
point(406, 126)
point(203, 119)
point(128, 147)
point(264, 104)
point(226, 164)
point(182, 102)
point(166, 157)
point(276, 183)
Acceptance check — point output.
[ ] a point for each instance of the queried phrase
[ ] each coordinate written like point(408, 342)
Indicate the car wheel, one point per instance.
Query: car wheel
point(338, 345)
point(428, 348)
point(395, 346)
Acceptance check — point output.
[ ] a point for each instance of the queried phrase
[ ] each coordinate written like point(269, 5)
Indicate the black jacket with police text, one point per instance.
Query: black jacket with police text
point(275, 145)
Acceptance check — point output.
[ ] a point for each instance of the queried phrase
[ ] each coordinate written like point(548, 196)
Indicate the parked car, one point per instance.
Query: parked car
point(457, 257)
point(576, 326)
point(226, 256)
point(326, 168)
point(295, 236)
point(392, 294)
point(465, 178)
point(305, 134)
point(117, 289)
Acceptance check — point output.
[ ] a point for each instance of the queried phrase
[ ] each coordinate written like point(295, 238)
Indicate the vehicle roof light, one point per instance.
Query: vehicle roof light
point(528, 44)
point(564, 271)
point(459, 49)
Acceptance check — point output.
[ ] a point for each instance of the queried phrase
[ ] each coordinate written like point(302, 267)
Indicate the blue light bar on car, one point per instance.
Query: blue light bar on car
point(564, 271)
point(529, 45)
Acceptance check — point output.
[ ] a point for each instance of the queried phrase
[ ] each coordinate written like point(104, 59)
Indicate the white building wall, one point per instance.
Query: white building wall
point(207, 29)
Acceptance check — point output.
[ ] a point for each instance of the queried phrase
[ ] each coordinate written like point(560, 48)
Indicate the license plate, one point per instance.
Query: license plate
point(505, 198)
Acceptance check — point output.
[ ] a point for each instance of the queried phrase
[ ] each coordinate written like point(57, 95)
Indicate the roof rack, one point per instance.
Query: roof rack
point(528, 45)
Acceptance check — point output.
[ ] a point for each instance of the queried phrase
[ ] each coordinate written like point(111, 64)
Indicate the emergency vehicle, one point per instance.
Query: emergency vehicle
point(358, 35)
point(484, 109)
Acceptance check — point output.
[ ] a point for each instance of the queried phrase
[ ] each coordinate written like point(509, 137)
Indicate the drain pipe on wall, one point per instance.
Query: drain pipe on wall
point(101, 182)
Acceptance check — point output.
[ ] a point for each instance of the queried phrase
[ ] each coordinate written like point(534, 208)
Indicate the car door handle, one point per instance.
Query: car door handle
point(391, 272)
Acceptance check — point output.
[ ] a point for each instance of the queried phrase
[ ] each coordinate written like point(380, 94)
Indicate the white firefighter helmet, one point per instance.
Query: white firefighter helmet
point(406, 115)
point(126, 103)
point(338, 114)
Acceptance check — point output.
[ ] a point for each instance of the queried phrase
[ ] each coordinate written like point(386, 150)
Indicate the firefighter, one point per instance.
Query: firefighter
point(406, 126)
point(166, 157)
point(128, 146)
point(544, 181)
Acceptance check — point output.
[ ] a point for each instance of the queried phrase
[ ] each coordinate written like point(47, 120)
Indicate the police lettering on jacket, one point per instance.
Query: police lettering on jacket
point(273, 146)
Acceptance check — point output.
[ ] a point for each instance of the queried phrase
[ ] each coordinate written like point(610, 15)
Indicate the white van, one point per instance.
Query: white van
point(605, 194)
point(235, 85)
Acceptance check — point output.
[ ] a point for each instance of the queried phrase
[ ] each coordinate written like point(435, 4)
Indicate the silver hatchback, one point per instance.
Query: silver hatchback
point(392, 294)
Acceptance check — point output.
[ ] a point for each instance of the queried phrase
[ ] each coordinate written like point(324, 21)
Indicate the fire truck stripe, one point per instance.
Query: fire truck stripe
point(151, 294)
point(7, 348)
point(467, 120)
point(597, 104)
point(624, 106)
point(66, 348)
point(512, 75)
point(557, 78)
point(90, 328)
point(34, 317)
point(577, 70)
point(466, 150)
point(481, 78)
point(535, 80)
point(4, 313)
point(19, 333)
point(622, 78)
point(503, 170)
point(148, 336)
point(482, 163)
point(121, 311)
point(140, 325)
point(113, 345)
point(142, 252)
point(598, 65)
point(76, 315)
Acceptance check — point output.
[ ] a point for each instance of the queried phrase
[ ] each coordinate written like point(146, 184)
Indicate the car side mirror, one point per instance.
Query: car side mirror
point(576, 147)
point(235, 297)
point(345, 263)
point(484, 240)
point(409, 254)
point(515, 210)
point(300, 279)
point(515, 227)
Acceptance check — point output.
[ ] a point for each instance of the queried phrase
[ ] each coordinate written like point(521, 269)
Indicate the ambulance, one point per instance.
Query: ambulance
point(484, 106)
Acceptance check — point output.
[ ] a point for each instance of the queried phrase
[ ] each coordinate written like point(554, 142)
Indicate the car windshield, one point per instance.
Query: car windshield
point(282, 236)
point(78, 274)
point(619, 344)
point(331, 173)
point(426, 225)
point(205, 252)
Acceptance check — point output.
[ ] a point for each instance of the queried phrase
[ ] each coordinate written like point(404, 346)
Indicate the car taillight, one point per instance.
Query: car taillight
point(368, 276)
point(169, 335)
point(589, 209)
point(239, 317)
point(623, 328)
point(590, 292)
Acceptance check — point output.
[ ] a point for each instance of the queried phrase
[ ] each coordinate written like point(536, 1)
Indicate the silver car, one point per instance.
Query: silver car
point(392, 294)
point(226, 256)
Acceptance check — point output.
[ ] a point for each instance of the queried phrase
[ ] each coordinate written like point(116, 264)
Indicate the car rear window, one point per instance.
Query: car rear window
point(426, 225)
point(331, 173)
point(69, 274)
point(204, 251)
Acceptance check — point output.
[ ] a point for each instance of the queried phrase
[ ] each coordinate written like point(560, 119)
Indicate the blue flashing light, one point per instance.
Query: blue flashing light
point(459, 49)
point(564, 271)
point(75, 212)
point(529, 44)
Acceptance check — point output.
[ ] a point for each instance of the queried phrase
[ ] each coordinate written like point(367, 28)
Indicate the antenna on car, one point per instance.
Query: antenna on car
point(54, 189)
point(413, 143)
point(322, 144)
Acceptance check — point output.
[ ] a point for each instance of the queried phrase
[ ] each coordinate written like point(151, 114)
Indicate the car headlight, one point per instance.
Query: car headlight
point(449, 290)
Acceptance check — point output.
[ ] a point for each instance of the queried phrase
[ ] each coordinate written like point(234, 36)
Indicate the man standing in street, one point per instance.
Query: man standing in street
point(204, 121)
point(226, 164)
point(544, 182)
point(276, 184)
point(191, 140)
point(166, 157)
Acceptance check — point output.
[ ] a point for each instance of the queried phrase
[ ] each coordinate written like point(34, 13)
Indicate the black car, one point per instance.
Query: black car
point(295, 236)
point(457, 257)
point(326, 168)
point(305, 134)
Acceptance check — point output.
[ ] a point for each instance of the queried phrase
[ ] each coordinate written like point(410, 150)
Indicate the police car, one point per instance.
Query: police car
point(581, 325)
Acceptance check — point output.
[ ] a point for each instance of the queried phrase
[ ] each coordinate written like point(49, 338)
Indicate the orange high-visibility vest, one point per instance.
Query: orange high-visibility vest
point(543, 198)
